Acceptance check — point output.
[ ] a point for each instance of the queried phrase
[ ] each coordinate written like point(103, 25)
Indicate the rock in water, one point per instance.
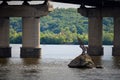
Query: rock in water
point(82, 61)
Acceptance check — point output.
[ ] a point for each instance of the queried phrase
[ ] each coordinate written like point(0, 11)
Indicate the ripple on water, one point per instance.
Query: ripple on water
point(54, 67)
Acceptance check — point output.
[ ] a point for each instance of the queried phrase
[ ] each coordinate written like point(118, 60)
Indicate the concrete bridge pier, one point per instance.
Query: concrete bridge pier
point(5, 49)
point(31, 28)
point(95, 36)
point(31, 37)
point(94, 30)
point(116, 41)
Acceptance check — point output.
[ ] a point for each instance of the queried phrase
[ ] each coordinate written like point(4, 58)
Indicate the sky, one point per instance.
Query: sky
point(63, 5)
point(55, 4)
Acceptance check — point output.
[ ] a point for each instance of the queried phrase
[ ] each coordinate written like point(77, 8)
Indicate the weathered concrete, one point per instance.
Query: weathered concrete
point(95, 36)
point(31, 37)
point(95, 51)
point(116, 51)
point(95, 28)
point(24, 10)
point(5, 50)
point(30, 52)
point(95, 12)
point(116, 42)
point(31, 27)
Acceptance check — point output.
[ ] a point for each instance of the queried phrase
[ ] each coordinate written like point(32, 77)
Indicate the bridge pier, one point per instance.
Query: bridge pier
point(116, 42)
point(31, 28)
point(5, 50)
point(95, 29)
point(31, 37)
point(95, 36)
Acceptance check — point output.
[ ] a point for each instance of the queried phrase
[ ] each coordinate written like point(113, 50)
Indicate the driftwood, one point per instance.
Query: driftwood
point(84, 49)
point(83, 60)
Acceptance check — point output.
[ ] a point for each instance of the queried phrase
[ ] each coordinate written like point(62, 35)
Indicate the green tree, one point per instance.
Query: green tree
point(62, 26)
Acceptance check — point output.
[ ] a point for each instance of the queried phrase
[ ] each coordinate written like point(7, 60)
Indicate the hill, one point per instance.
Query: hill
point(62, 26)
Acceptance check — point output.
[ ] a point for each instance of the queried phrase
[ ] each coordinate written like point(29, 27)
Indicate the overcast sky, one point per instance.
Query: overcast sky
point(63, 5)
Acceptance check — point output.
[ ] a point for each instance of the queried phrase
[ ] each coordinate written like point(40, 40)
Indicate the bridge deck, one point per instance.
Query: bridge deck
point(96, 3)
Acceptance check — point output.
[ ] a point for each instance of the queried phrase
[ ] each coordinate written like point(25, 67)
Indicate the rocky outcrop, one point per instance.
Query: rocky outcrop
point(82, 61)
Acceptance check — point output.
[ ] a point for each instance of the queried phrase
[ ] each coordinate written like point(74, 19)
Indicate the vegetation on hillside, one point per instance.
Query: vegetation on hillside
point(62, 26)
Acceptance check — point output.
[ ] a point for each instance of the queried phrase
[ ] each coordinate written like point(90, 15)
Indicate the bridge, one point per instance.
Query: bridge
point(95, 10)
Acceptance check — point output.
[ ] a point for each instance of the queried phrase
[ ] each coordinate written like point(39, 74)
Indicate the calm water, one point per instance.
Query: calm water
point(53, 65)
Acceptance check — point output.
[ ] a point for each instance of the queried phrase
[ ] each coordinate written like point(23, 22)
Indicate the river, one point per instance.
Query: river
point(53, 65)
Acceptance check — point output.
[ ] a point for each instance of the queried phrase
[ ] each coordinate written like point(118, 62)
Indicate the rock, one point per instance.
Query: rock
point(82, 61)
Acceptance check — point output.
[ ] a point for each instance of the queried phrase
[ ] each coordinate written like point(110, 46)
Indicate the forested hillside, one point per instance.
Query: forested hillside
point(62, 26)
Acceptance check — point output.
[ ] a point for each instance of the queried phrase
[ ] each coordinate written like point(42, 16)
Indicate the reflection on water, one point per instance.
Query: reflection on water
point(97, 60)
point(4, 71)
point(30, 61)
point(30, 70)
point(4, 61)
point(53, 65)
point(116, 62)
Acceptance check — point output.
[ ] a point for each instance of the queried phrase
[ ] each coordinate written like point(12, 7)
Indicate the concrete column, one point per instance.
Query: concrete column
point(31, 37)
point(5, 50)
point(116, 42)
point(95, 36)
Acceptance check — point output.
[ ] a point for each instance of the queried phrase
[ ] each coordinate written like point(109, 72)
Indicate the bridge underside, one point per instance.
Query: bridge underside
point(95, 12)
point(31, 25)
point(95, 3)
point(31, 28)
point(95, 16)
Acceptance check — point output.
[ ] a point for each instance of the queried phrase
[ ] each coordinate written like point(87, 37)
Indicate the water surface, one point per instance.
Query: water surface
point(53, 65)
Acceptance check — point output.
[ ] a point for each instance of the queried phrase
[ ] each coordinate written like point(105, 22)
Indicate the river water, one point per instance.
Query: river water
point(53, 65)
